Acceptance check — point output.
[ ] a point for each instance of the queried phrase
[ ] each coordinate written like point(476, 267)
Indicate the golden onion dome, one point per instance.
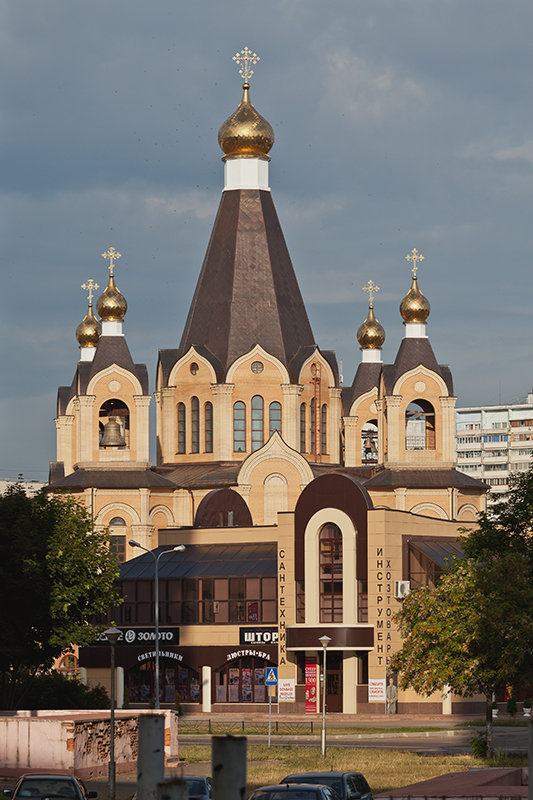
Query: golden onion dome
point(111, 305)
point(371, 334)
point(89, 330)
point(246, 134)
point(414, 307)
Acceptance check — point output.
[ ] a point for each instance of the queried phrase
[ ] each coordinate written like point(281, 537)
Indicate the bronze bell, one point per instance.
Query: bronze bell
point(112, 435)
point(370, 445)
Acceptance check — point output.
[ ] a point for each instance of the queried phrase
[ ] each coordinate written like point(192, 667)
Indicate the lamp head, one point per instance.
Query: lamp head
point(133, 543)
point(179, 548)
point(324, 640)
point(112, 634)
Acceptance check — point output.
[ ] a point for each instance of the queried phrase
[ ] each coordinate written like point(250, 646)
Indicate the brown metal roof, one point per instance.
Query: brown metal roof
point(424, 479)
point(413, 353)
point(112, 479)
point(203, 475)
point(366, 378)
point(247, 292)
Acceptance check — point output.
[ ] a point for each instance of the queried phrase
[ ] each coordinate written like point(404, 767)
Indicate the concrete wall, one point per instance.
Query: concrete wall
point(73, 742)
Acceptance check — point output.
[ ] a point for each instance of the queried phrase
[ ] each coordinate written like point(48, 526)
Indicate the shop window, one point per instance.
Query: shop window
point(177, 683)
point(181, 428)
point(420, 426)
point(195, 425)
point(208, 427)
point(239, 427)
point(274, 418)
point(303, 431)
point(330, 570)
point(114, 425)
point(257, 422)
point(242, 681)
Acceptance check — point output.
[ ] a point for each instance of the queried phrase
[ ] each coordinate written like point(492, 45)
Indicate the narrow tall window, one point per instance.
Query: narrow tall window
point(313, 425)
point(324, 429)
point(181, 428)
point(257, 422)
point(274, 415)
point(208, 427)
point(330, 567)
point(239, 427)
point(195, 425)
point(302, 428)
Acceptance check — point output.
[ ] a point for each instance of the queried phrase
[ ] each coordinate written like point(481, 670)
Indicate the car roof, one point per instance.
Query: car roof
point(324, 774)
point(49, 775)
point(283, 786)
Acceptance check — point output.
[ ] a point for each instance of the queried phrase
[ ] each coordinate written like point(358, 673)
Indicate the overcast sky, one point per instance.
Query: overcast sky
point(398, 124)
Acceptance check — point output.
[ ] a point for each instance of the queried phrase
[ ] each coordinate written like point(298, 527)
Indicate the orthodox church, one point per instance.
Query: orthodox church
point(306, 508)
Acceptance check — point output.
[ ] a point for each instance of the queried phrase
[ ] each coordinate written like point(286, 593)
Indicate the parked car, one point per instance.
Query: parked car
point(199, 787)
point(348, 785)
point(294, 791)
point(43, 786)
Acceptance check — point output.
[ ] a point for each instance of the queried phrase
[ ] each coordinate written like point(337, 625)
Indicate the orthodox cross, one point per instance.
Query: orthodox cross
point(112, 255)
point(371, 288)
point(247, 59)
point(90, 285)
point(414, 256)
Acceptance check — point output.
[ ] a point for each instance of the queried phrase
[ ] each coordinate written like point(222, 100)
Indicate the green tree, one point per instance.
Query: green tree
point(472, 632)
point(57, 575)
point(507, 525)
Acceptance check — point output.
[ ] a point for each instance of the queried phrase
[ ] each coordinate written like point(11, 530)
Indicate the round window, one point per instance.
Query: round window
point(257, 367)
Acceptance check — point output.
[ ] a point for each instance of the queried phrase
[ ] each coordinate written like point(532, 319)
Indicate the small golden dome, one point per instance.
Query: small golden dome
point(246, 134)
point(89, 330)
point(371, 334)
point(414, 307)
point(111, 305)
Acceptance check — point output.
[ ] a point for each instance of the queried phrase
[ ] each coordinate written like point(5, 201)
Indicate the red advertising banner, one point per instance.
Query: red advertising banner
point(311, 687)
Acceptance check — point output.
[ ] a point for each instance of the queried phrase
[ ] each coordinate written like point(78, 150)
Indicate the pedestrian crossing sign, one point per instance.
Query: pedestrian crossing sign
point(271, 676)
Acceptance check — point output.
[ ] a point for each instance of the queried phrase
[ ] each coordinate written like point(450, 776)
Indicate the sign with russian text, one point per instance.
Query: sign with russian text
point(138, 637)
point(311, 687)
point(258, 635)
point(286, 690)
point(376, 690)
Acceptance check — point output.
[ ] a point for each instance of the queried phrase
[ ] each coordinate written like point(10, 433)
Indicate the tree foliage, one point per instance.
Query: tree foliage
point(472, 632)
point(507, 526)
point(56, 576)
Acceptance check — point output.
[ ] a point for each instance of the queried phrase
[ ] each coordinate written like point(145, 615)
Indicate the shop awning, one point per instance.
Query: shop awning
point(439, 551)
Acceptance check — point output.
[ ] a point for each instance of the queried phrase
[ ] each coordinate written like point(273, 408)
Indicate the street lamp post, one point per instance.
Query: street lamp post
point(178, 549)
point(112, 635)
point(324, 641)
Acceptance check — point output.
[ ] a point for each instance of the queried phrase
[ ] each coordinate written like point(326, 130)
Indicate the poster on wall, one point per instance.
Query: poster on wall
point(376, 690)
point(286, 690)
point(311, 681)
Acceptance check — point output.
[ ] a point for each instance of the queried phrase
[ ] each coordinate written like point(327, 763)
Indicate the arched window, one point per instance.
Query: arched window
point(369, 442)
point(257, 422)
point(324, 430)
point(274, 418)
point(302, 428)
point(208, 427)
point(114, 411)
point(116, 521)
point(239, 427)
point(420, 426)
point(313, 437)
point(195, 425)
point(330, 569)
point(181, 428)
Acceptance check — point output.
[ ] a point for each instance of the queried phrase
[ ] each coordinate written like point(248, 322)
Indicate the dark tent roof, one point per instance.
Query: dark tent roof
point(210, 560)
